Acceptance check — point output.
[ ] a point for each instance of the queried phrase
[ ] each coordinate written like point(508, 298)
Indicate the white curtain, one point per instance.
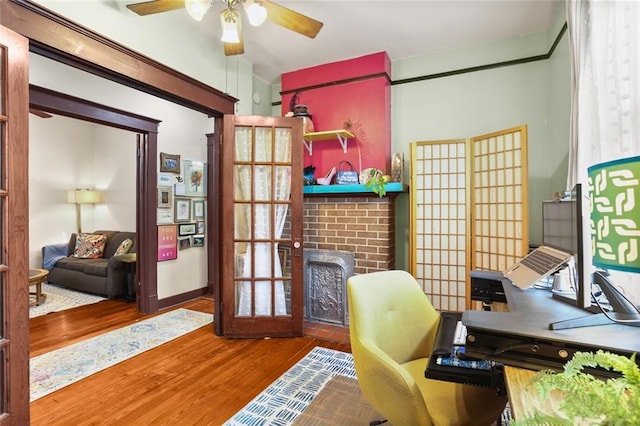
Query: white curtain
point(604, 37)
point(266, 257)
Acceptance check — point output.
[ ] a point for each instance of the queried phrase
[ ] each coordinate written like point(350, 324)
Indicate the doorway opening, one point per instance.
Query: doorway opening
point(49, 101)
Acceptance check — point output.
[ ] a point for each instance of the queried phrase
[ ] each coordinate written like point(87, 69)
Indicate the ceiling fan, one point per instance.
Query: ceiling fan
point(257, 12)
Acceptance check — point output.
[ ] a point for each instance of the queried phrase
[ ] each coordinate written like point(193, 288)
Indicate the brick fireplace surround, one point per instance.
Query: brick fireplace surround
point(361, 224)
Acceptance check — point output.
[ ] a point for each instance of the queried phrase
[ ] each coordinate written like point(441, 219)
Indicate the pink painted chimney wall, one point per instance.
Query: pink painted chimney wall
point(356, 90)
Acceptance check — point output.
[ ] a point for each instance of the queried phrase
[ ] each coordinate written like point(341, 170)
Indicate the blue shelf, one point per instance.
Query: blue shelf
point(391, 187)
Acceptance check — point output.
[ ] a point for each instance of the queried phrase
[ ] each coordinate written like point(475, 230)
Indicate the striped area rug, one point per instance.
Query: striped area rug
point(321, 389)
point(283, 401)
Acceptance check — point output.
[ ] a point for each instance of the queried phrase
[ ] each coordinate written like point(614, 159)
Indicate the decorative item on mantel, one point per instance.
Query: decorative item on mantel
point(308, 175)
point(299, 110)
point(303, 111)
point(326, 179)
point(397, 167)
point(375, 180)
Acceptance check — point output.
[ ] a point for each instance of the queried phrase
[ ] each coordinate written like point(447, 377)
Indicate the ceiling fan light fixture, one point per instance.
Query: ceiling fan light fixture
point(255, 11)
point(197, 8)
point(230, 20)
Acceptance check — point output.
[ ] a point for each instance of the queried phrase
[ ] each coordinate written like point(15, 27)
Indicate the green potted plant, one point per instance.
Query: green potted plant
point(375, 181)
point(588, 399)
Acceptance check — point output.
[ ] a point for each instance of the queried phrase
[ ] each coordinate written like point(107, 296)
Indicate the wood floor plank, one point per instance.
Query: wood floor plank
point(196, 379)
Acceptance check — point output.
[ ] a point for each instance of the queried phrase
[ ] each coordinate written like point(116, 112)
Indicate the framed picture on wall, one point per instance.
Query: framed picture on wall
point(169, 163)
point(198, 241)
point(195, 178)
point(184, 243)
point(200, 227)
point(198, 209)
point(182, 210)
point(165, 197)
point(165, 216)
point(186, 229)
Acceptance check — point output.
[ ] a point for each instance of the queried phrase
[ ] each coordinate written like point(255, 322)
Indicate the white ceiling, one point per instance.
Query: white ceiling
point(401, 28)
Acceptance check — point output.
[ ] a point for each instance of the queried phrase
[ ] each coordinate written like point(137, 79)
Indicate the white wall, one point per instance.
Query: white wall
point(58, 151)
point(108, 164)
point(65, 154)
point(114, 173)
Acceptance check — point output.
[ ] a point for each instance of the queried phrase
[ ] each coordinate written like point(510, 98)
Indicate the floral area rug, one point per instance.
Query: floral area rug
point(59, 299)
point(284, 400)
point(59, 368)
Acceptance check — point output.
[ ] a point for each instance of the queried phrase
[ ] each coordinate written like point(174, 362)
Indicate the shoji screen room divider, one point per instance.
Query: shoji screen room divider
point(468, 211)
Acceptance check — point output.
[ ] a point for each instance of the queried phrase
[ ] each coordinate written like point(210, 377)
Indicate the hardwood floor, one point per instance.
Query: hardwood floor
point(197, 379)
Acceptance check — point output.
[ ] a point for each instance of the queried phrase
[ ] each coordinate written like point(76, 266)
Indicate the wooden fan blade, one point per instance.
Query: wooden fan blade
point(292, 20)
point(156, 6)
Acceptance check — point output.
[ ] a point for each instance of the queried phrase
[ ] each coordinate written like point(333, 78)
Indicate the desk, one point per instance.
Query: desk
point(524, 399)
point(521, 337)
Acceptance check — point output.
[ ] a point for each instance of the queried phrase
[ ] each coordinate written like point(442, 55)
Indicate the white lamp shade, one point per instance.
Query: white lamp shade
point(256, 13)
point(197, 8)
point(84, 196)
point(230, 20)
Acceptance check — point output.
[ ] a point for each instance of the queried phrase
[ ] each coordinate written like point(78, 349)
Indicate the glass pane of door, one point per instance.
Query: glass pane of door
point(261, 202)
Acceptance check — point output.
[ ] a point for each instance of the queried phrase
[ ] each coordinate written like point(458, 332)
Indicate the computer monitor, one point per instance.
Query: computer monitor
point(562, 228)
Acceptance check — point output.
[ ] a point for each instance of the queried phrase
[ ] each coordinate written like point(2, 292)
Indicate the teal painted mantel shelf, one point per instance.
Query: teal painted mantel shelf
point(391, 188)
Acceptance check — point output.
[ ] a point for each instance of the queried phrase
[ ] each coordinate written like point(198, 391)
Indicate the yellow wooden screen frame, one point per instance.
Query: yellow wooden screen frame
point(495, 214)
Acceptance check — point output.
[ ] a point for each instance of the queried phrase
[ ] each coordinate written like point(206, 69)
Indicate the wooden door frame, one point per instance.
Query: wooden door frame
point(146, 235)
point(14, 261)
point(55, 37)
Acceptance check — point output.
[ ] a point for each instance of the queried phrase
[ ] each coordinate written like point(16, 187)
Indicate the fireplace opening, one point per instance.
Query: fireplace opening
point(325, 285)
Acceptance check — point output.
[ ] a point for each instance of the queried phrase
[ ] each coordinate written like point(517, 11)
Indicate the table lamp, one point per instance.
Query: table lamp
point(614, 189)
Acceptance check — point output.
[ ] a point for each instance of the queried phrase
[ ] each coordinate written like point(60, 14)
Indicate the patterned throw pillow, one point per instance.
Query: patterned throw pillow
point(124, 247)
point(89, 246)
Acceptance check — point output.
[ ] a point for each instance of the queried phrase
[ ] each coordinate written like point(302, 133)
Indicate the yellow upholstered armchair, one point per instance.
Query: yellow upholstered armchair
point(392, 328)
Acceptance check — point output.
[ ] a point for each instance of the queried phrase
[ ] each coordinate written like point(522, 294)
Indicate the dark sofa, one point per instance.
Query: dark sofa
point(105, 276)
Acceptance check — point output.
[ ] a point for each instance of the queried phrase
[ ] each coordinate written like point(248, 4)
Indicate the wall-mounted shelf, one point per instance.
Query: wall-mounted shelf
point(341, 135)
point(355, 189)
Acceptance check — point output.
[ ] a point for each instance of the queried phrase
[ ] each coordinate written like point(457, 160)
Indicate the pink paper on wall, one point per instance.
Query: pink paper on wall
point(167, 242)
point(356, 91)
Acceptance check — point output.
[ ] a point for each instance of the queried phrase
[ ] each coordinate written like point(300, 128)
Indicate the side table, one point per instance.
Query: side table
point(130, 260)
point(36, 278)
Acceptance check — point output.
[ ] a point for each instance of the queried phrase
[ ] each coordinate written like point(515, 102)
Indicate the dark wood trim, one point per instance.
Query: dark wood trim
point(214, 274)
point(55, 37)
point(70, 106)
point(339, 82)
point(147, 240)
point(182, 298)
point(485, 67)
